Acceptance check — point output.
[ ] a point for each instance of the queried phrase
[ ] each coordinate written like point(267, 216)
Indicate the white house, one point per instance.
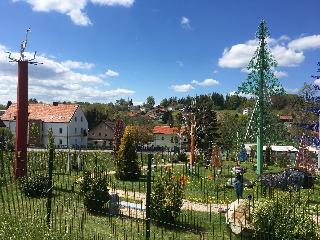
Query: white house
point(166, 136)
point(67, 121)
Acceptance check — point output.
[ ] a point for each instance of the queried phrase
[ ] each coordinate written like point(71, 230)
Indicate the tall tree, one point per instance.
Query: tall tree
point(228, 127)
point(127, 163)
point(118, 133)
point(206, 127)
point(262, 83)
point(150, 102)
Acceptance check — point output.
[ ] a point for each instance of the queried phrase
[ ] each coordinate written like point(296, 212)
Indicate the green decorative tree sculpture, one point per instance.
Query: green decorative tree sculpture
point(262, 83)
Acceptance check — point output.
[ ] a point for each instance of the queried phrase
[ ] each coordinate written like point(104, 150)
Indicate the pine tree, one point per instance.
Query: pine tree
point(304, 160)
point(127, 164)
point(206, 128)
point(262, 83)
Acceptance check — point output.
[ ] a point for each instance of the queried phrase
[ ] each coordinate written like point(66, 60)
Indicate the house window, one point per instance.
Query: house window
point(75, 119)
point(60, 130)
point(106, 135)
point(99, 134)
point(172, 139)
point(81, 130)
point(60, 141)
point(81, 119)
point(75, 130)
point(162, 138)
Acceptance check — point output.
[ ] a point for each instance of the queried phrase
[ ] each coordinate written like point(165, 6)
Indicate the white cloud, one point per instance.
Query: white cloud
point(56, 81)
point(182, 88)
point(280, 74)
point(239, 55)
point(77, 65)
point(242, 94)
point(73, 8)
point(287, 57)
point(206, 82)
point(123, 3)
point(111, 73)
point(304, 43)
point(292, 90)
point(185, 23)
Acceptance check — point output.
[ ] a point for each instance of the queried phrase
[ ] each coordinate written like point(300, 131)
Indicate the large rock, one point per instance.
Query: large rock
point(113, 204)
point(246, 183)
point(238, 217)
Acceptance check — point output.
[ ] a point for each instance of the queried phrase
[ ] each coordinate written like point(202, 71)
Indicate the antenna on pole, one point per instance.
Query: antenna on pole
point(23, 47)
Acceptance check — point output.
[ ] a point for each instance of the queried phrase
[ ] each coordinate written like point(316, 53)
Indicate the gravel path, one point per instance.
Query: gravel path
point(187, 205)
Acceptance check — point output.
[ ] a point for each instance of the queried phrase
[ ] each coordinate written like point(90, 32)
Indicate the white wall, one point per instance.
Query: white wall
point(11, 125)
point(164, 140)
point(74, 129)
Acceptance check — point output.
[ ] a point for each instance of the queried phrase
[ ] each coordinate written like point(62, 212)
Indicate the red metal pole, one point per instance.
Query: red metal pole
point(20, 163)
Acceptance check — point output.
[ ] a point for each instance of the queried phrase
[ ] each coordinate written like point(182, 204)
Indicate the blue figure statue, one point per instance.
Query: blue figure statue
point(238, 185)
point(242, 156)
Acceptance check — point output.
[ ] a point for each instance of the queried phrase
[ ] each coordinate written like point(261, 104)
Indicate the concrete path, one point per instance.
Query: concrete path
point(187, 205)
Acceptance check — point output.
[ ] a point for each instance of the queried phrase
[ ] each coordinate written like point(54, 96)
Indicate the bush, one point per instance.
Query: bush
point(166, 199)
point(289, 179)
point(6, 139)
point(182, 157)
point(95, 192)
point(127, 164)
point(36, 186)
point(283, 218)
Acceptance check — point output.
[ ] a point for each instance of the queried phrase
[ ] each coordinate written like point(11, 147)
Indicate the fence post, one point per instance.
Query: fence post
point(148, 198)
point(50, 169)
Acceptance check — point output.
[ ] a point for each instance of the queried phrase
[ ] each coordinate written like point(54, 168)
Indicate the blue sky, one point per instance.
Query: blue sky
point(101, 50)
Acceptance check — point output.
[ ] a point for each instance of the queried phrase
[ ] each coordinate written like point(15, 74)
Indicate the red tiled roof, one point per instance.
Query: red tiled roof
point(285, 118)
point(44, 112)
point(164, 130)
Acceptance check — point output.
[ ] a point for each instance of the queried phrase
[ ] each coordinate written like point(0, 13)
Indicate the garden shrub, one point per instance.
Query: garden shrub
point(283, 217)
point(166, 199)
point(127, 163)
point(182, 157)
point(35, 186)
point(95, 192)
point(289, 179)
point(6, 139)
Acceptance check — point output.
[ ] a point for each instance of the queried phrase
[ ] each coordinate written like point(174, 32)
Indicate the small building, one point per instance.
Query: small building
point(276, 150)
point(168, 137)
point(286, 119)
point(102, 134)
point(246, 111)
point(290, 151)
point(67, 121)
